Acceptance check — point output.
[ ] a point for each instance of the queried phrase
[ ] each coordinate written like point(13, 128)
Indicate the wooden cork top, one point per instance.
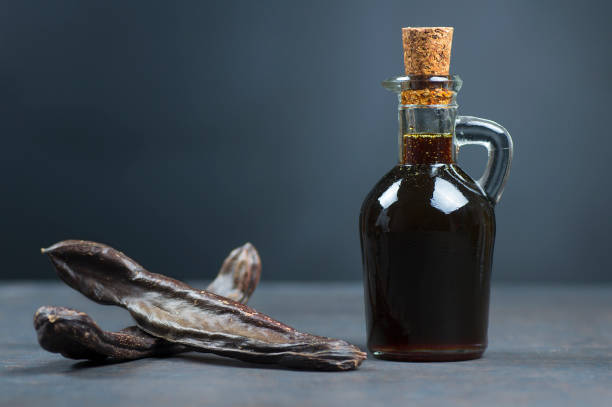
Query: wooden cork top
point(427, 50)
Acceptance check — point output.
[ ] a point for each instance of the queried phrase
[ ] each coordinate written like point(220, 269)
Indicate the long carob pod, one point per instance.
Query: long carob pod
point(75, 335)
point(170, 309)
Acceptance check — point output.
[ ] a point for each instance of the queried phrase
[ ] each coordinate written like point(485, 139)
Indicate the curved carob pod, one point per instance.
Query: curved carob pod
point(75, 334)
point(239, 274)
point(170, 309)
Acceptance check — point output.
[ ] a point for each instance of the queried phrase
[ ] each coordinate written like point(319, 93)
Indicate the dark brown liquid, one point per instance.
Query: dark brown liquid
point(427, 148)
point(427, 234)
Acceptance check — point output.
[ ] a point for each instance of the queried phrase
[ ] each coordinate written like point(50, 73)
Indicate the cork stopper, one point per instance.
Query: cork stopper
point(427, 50)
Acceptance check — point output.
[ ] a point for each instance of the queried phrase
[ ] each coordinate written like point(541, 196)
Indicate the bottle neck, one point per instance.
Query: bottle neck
point(426, 134)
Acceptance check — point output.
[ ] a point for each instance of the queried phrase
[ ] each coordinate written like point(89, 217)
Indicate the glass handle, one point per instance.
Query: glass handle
point(497, 141)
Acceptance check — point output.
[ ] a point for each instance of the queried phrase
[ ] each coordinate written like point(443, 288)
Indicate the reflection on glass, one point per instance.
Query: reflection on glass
point(446, 197)
point(390, 195)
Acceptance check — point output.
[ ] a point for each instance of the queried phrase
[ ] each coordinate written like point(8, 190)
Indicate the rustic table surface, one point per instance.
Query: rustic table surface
point(549, 346)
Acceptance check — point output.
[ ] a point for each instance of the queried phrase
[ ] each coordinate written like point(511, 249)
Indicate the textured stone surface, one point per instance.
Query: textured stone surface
point(549, 346)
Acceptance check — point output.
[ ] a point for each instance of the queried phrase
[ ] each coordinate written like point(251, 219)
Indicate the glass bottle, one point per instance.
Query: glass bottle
point(427, 230)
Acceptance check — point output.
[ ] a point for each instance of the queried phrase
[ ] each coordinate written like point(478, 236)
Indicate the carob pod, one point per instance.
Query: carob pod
point(239, 274)
point(170, 309)
point(75, 334)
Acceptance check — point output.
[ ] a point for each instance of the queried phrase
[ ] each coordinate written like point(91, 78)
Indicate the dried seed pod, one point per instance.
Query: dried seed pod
point(239, 274)
point(172, 310)
point(75, 335)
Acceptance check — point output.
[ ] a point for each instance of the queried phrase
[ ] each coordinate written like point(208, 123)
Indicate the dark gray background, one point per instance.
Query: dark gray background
point(176, 131)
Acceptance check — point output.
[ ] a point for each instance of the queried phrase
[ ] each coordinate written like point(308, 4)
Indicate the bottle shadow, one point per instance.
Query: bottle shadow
point(574, 357)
